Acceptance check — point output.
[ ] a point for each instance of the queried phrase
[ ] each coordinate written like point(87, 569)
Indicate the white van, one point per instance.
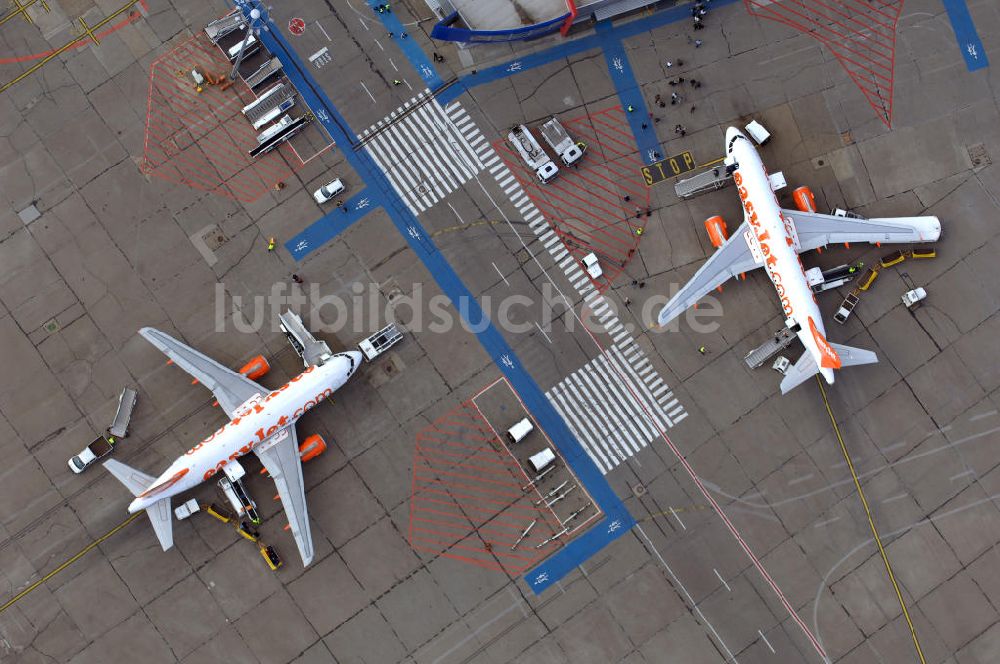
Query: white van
point(542, 460)
point(251, 47)
point(516, 433)
point(328, 191)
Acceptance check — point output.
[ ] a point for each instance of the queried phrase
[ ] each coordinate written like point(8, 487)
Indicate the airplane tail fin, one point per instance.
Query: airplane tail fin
point(159, 512)
point(828, 356)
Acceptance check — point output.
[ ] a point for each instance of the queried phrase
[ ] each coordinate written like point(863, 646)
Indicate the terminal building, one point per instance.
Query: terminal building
point(475, 21)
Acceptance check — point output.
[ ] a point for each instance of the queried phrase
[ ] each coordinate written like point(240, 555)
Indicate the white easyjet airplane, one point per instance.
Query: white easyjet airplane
point(773, 237)
point(260, 421)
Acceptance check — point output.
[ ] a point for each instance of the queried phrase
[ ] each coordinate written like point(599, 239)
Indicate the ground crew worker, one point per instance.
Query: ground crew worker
point(702, 350)
point(638, 231)
point(630, 108)
point(396, 81)
point(271, 244)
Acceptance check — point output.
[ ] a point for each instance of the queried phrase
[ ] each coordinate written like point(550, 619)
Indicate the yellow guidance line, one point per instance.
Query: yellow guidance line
point(871, 521)
point(69, 562)
point(464, 227)
point(22, 10)
point(62, 49)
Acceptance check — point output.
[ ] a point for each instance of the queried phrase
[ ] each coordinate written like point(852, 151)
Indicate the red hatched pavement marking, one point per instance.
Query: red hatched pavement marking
point(201, 139)
point(586, 204)
point(467, 502)
point(860, 34)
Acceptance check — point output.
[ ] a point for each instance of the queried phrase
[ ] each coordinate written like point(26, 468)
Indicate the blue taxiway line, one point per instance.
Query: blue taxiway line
point(330, 225)
point(617, 520)
point(409, 46)
point(965, 32)
point(630, 94)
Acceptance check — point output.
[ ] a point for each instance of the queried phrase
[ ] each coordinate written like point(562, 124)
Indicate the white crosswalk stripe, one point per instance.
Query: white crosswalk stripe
point(424, 153)
point(616, 404)
point(607, 407)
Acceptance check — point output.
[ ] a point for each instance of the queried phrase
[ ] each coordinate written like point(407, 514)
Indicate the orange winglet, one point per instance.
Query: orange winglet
point(847, 244)
point(829, 358)
point(288, 526)
point(215, 404)
point(277, 496)
point(194, 381)
point(169, 362)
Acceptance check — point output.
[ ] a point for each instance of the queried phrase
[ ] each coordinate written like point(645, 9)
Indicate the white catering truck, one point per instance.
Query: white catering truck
point(569, 151)
point(534, 156)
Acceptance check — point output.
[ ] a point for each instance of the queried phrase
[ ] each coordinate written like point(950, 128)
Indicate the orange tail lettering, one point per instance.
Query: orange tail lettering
point(829, 359)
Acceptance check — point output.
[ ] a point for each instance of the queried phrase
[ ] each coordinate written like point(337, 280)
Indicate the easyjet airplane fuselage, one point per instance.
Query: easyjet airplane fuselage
point(252, 424)
point(774, 237)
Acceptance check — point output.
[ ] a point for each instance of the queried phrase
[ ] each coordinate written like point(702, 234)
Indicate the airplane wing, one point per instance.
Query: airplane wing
point(728, 261)
point(818, 230)
point(229, 387)
point(281, 458)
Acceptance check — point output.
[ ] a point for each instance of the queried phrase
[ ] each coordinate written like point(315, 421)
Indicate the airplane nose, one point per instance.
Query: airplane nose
point(356, 358)
point(731, 134)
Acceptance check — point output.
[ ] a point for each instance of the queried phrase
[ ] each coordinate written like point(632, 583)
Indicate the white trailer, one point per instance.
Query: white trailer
point(534, 156)
point(559, 140)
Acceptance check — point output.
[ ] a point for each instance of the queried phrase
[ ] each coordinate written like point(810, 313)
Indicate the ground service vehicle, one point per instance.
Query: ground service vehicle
point(532, 153)
point(757, 132)
point(328, 191)
point(516, 433)
point(912, 297)
point(592, 266)
point(100, 447)
point(558, 139)
point(380, 342)
point(542, 460)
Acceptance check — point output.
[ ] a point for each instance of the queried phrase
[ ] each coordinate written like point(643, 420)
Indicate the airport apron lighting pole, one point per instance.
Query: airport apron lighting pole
point(254, 17)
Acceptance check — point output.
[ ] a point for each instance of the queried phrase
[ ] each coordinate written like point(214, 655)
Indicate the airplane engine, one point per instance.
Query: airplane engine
point(804, 199)
point(311, 447)
point(255, 368)
point(717, 232)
